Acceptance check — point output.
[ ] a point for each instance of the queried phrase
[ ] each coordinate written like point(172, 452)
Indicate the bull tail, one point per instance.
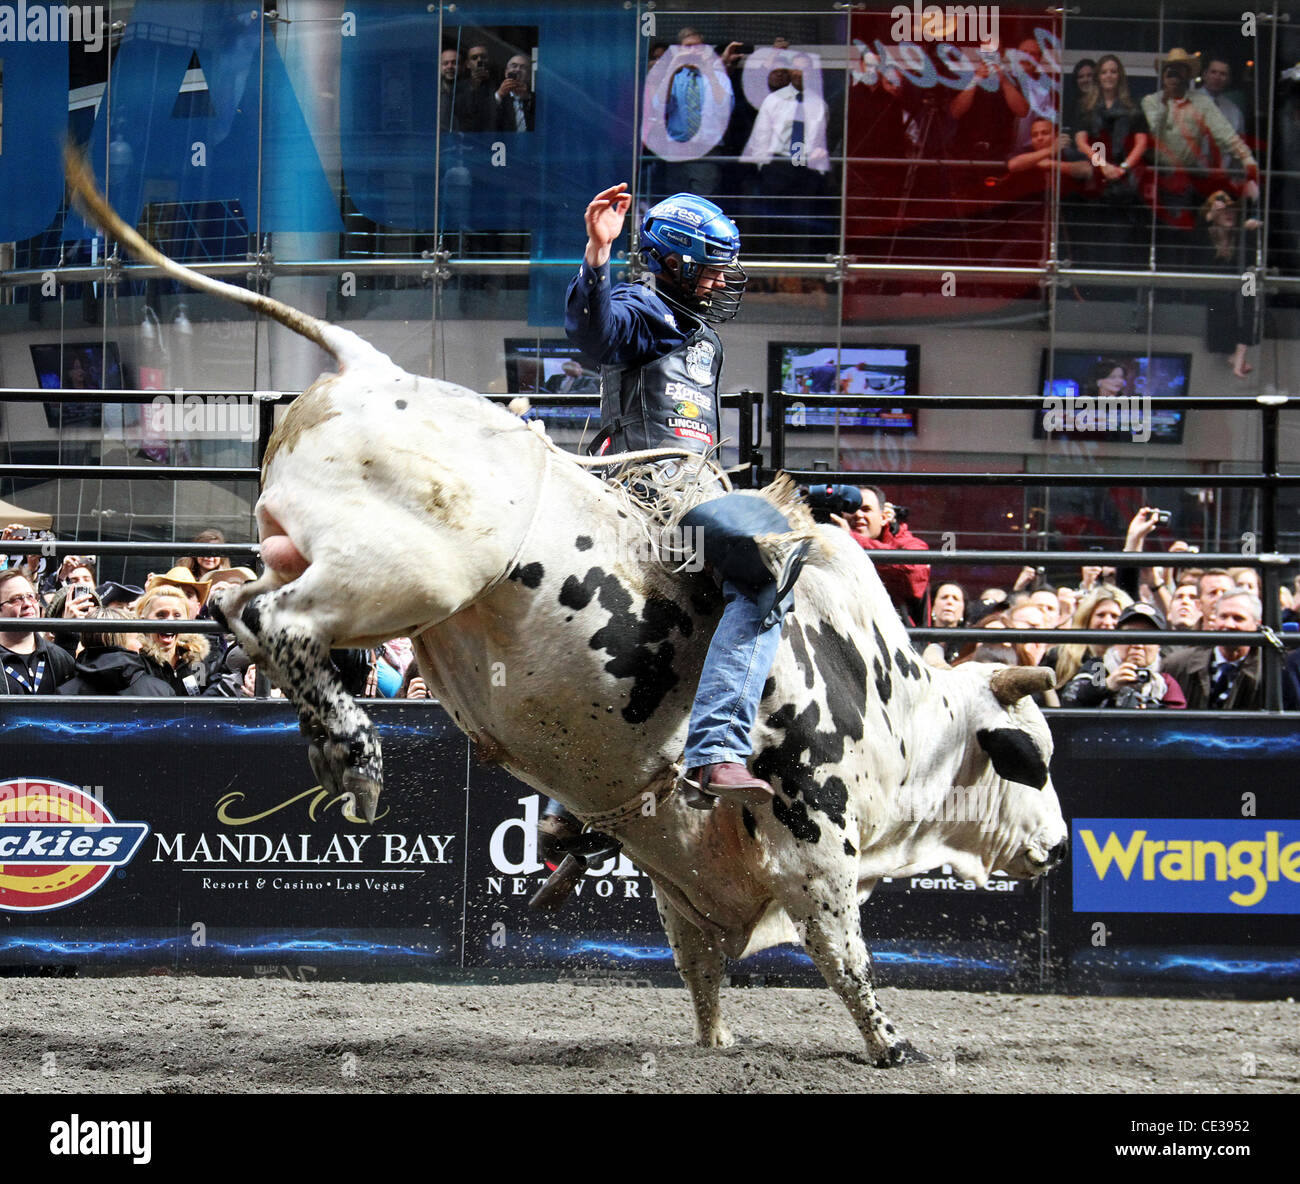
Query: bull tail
point(344, 346)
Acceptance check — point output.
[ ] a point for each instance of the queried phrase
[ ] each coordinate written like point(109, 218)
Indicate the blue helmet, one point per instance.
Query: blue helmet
point(698, 235)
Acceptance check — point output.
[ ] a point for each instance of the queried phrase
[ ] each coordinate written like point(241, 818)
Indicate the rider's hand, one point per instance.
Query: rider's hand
point(604, 218)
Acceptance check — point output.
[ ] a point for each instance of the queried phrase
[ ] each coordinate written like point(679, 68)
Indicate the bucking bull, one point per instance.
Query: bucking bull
point(573, 663)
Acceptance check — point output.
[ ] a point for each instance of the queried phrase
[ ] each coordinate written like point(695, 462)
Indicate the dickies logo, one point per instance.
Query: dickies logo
point(58, 844)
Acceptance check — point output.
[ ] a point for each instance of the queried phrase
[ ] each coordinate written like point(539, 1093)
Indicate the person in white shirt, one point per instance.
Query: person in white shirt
point(788, 145)
point(789, 104)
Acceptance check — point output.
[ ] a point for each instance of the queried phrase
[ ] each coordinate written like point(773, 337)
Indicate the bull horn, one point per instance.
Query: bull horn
point(1013, 683)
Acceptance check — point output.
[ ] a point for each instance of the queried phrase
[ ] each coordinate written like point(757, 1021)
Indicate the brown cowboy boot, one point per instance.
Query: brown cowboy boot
point(728, 780)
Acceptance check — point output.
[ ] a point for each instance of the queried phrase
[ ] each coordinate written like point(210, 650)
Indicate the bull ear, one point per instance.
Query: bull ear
point(1015, 682)
point(1014, 755)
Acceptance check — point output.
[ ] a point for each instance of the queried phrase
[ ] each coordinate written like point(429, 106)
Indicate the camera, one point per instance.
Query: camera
point(900, 512)
point(825, 500)
point(1162, 516)
point(1142, 676)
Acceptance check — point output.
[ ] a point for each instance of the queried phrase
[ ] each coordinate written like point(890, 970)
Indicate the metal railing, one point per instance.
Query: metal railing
point(752, 471)
point(1267, 481)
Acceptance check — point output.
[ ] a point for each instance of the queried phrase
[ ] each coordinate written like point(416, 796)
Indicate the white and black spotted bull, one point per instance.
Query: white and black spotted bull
point(573, 662)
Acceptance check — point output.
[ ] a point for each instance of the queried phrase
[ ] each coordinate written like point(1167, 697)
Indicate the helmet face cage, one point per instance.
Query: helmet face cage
point(695, 234)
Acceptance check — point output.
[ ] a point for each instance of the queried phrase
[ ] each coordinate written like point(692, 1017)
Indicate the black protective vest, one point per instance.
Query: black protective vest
point(671, 402)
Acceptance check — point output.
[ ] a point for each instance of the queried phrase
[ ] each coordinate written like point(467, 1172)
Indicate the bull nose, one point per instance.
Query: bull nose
point(1058, 853)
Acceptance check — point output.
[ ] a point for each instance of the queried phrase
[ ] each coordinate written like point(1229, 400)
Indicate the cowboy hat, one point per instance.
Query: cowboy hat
point(182, 578)
point(224, 573)
point(1180, 57)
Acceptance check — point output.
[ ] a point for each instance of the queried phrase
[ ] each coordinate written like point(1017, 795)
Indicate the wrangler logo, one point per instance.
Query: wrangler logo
point(1187, 865)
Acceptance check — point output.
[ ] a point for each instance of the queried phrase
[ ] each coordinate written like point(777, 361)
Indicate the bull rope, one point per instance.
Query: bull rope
point(642, 805)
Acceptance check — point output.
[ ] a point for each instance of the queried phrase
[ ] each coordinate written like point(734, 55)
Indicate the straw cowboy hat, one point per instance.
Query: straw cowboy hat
point(225, 573)
point(180, 577)
point(1180, 57)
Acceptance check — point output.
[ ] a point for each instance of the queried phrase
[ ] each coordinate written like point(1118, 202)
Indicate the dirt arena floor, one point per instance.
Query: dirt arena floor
point(205, 1035)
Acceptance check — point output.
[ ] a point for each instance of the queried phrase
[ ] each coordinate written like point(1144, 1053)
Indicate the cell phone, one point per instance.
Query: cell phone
point(1162, 515)
point(745, 47)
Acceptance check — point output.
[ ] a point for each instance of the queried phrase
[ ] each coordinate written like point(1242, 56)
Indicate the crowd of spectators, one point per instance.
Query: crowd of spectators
point(488, 87)
point(1163, 598)
point(1166, 598)
point(1225, 676)
point(149, 663)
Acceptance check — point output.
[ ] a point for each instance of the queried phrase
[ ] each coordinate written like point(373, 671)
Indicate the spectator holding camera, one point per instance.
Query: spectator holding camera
point(476, 107)
point(1144, 584)
point(514, 97)
point(1127, 674)
point(29, 665)
point(75, 601)
point(880, 526)
point(32, 564)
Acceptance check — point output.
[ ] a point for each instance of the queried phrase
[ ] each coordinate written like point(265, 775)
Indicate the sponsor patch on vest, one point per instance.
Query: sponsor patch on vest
point(688, 394)
point(688, 410)
point(689, 429)
point(699, 362)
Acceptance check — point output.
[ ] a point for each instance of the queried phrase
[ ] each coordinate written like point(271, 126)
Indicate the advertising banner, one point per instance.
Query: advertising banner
point(186, 835)
point(214, 847)
point(1184, 856)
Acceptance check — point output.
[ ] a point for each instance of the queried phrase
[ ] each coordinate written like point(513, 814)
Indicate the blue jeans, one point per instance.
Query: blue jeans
point(739, 660)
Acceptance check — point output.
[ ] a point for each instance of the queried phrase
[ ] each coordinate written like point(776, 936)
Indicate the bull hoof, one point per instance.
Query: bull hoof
point(902, 1055)
point(364, 792)
point(323, 769)
point(719, 1037)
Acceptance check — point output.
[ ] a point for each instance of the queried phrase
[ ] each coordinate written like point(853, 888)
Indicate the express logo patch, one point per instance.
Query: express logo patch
point(58, 844)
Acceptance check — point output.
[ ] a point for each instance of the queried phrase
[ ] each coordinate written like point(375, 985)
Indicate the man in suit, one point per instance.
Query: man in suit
point(476, 97)
point(514, 97)
point(1225, 677)
point(573, 381)
point(449, 79)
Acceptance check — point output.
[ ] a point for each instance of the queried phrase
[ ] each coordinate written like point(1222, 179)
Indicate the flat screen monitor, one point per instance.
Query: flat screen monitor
point(552, 366)
point(88, 366)
point(1094, 395)
point(869, 374)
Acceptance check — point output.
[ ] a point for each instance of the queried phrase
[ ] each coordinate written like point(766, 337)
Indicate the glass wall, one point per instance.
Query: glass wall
point(1100, 202)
